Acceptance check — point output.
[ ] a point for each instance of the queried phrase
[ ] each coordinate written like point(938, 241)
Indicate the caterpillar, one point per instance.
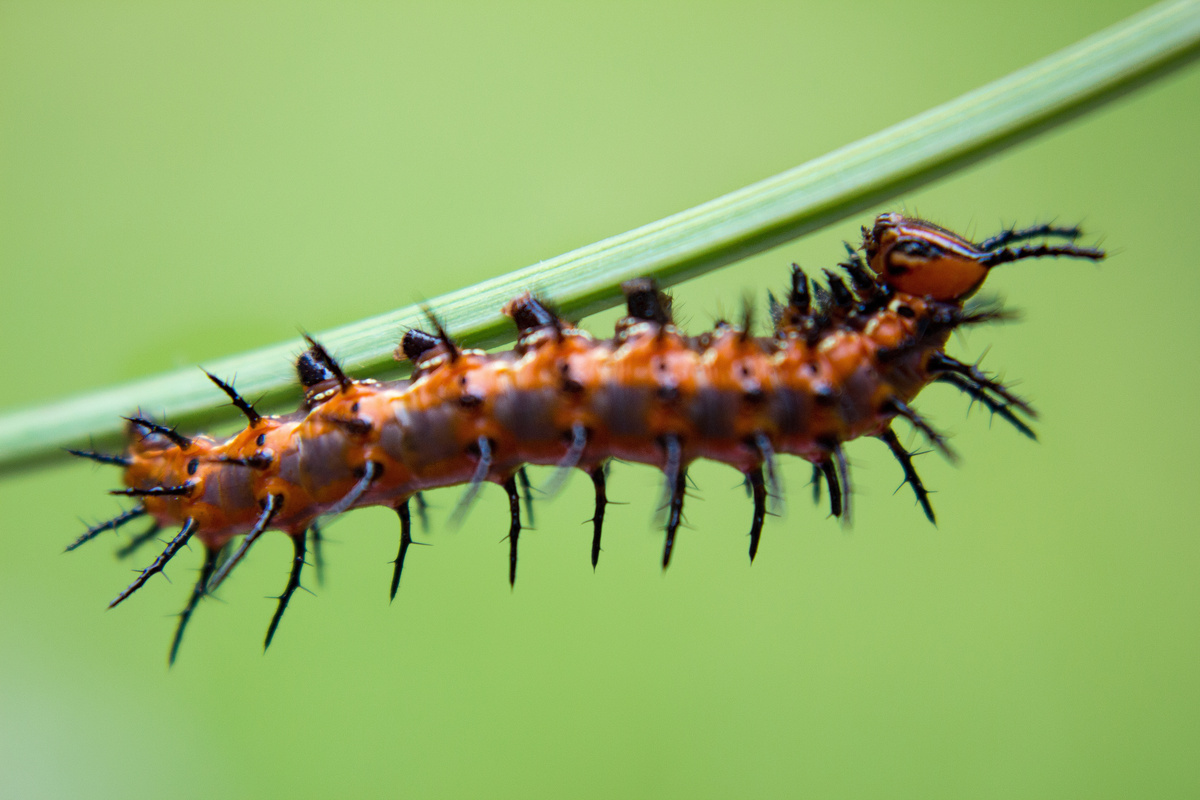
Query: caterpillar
point(845, 359)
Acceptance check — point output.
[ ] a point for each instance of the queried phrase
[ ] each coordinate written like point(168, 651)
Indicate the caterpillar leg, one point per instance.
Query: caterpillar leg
point(526, 493)
point(843, 473)
point(483, 450)
point(827, 470)
point(173, 547)
point(318, 555)
point(185, 616)
point(371, 471)
point(514, 527)
point(569, 461)
point(911, 477)
point(299, 540)
point(422, 511)
point(598, 482)
point(836, 472)
point(767, 453)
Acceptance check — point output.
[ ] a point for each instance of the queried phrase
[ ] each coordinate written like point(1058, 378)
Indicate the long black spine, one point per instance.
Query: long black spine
point(759, 491)
point(172, 548)
point(405, 540)
point(136, 543)
point(526, 493)
point(598, 482)
point(185, 616)
point(109, 525)
point(910, 472)
point(514, 527)
point(829, 471)
point(274, 503)
point(318, 540)
point(299, 543)
point(676, 476)
point(239, 401)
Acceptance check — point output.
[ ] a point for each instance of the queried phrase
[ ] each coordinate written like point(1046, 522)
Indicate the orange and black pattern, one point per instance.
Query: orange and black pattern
point(845, 359)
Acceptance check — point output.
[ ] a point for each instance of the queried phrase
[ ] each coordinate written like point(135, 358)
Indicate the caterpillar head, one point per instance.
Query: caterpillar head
point(919, 258)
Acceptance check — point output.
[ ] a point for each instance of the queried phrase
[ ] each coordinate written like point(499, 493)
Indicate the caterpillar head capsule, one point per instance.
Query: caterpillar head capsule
point(916, 257)
point(919, 258)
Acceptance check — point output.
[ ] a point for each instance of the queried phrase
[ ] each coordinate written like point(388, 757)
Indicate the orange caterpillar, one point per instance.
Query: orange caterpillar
point(843, 362)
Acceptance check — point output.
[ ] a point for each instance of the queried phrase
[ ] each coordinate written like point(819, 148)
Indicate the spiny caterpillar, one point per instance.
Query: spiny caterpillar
point(844, 361)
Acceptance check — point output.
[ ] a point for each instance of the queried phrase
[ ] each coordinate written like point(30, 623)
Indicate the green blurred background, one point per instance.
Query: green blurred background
point(184, 181)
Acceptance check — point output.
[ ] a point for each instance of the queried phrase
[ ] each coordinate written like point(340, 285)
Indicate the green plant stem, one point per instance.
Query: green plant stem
point(755, 218)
